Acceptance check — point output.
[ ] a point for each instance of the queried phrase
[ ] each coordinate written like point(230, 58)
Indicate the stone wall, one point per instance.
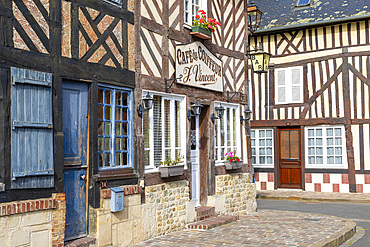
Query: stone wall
point(235, 195)
point(168, 208)
point(31, 222)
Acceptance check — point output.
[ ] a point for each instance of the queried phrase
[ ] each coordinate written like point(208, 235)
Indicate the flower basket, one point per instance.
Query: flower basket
point(171, 171)
point(201, 32)
point(233, 165)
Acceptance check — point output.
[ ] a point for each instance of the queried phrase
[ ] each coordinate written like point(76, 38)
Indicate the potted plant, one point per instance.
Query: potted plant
point(170, 168)
point(203, 27)
point(232, 161)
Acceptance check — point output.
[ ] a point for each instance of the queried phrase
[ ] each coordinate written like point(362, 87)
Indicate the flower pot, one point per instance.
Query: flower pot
point(170, 171)
point(201, 32)
point(233, 165)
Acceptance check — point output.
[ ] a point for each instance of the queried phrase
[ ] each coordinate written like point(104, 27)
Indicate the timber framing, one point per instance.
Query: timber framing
point(18, 49)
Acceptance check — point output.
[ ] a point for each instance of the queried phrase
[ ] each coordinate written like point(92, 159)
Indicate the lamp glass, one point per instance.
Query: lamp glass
point(220, 111)
point(196, 108)
point(247, 114)
point(260, 61)
point(147, 102)
point(254, 17)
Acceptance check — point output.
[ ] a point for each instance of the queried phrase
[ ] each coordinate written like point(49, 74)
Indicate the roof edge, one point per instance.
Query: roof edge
point(308, 25)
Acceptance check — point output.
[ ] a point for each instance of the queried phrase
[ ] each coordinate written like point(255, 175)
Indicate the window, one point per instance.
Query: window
point(114, 127)
point(32, 164)
point(115, 2)
point(325, 147)
point(303, 2)
point(227, 132)
point(164, 135)
point(262, 148)
point(288, 85)
point(191, 8)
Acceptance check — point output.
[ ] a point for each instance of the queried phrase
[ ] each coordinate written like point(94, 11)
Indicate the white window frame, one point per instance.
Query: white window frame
point(288, 85)
point(257, 148)
point(325, 165)
point(219, 158)
point(172, 97)
point(202, 6)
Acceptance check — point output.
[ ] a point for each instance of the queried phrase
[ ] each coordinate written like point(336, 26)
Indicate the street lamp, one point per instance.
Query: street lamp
point(260, 61)
point(219, 113)
point(196, 109)
point(254, 16)
point(147, 104)
point(247, 115)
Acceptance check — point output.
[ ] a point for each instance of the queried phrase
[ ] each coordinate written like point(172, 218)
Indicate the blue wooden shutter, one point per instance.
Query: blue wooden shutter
point(32, 129)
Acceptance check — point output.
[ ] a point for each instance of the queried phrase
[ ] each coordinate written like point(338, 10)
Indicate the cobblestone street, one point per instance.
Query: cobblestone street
point(265, 228)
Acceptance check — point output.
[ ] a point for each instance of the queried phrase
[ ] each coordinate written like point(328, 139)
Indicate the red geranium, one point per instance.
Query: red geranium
point(207, 23)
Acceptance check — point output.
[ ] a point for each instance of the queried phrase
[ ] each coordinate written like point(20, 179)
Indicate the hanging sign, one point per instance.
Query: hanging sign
point(198, 67)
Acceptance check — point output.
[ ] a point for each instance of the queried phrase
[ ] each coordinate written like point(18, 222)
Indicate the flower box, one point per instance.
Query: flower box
point(233, 165)
point(201, 32)
point(171, 171)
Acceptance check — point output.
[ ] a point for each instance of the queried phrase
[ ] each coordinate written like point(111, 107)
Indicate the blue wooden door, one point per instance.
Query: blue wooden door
point(75, 101)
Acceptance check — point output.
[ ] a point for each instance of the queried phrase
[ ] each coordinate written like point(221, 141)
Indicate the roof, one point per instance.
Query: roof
point(281, 14)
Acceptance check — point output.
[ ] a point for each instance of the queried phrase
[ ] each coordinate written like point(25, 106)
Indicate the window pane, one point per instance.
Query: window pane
point(118, 113)
point(107, 128)
point(177, 124)
point(318, 132)
point(269, 160)
point(118, 128)
point(330, 151)
point(338, 151)
point(319, 141)
point(124, 99)
point(124, 144)
point(269, 151)
point(319, 160)
point(262, 142)
point(330, 141)
point(107, 144)
point(268, 133)
point(254, 160)
point(261, 133)
point(100, 128)
point(107, 113)
point(281, 94)
point(100, 96)
point(234, 127)
point(100, 144)
point(338, 141)
point(338, 132)
point(228, 126)
point(118, 159)
point(296, 93)
point(311, 151)
point(329, 132)
point(146, 129)
point(124, 114)
point(311, 132)
point(338, 160)
point(330, 160)
point(311, 142)
point(253, 151)
point(147, 157)
point(107, 97)
point(253, 143)
point(107, 160)
point(253, 133)
point(101, 160)
point(124, 128)
point(262, 160)
point(294, 144)
point(100, 112)
point(311, 160)
point(319, 151)
point(118, 144)
point(157, 129)
point(124, 159)
point(262, 151)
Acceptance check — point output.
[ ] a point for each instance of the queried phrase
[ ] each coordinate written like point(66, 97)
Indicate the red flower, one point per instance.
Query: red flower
point(213, 30)
point(209, 26)
point(197, 16)
point(201, 20)
point(218, 23)
point(202, 12)
point(237, 159)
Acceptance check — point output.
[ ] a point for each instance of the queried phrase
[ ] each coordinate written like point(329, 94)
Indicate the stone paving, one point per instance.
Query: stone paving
point(313, 196)
point(264, 228)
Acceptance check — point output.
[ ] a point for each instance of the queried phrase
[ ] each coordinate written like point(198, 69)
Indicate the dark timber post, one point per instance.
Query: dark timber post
point(347, 125)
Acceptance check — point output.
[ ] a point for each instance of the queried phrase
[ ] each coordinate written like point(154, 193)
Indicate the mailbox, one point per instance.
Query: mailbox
point(116, 199)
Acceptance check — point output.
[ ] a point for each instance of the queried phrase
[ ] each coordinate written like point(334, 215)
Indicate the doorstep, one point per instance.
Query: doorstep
point(210, 223)
point(81, 242)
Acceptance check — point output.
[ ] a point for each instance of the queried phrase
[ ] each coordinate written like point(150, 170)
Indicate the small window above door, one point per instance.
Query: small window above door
point(303, 3)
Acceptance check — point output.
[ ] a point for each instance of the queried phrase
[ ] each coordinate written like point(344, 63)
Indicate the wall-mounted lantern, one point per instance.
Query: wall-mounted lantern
point(219, 113)
point(147, 104)
point(254, 16)
point(195, 110)
point(260, 61)
point(247, 115)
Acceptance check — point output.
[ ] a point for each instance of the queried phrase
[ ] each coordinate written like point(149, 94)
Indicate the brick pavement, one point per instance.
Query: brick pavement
point(266, 228)
point(313, 196)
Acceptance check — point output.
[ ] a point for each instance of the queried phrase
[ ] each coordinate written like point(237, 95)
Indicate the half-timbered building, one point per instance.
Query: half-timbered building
point(310, 123)
point(77, 160)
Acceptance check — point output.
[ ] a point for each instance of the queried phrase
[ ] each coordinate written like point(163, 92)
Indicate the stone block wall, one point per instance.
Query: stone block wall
point(31, 222)
point(168, 208)
point(235, 195)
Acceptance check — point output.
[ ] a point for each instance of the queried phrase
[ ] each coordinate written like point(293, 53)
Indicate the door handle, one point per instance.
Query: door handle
point(83, 177)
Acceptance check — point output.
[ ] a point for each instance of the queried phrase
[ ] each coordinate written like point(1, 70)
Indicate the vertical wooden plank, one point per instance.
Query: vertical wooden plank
point(332, 37)
point(362, 150)
point(325, 38)
point(367, 31)
point(347, 126)
point(303, 156)
point(75, 48)
point(266, 105)
point(349, 33)
point(336, 90)
point(329, 89)
point(310, 38)
point(358, 33)
point(354, 90)
point(321, 76)
point(362, 91)
point(271, 92)
point(259, 97)
point(341, 35)
point(276, 158)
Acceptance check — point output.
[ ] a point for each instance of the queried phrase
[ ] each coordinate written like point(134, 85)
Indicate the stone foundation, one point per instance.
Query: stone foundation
point(235, 195)
point(31, 222)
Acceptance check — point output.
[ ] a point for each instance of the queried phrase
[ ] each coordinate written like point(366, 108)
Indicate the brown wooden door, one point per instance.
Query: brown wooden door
point(290, 158)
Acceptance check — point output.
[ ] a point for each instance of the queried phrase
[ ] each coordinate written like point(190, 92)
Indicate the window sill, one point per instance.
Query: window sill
point(113, 174)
